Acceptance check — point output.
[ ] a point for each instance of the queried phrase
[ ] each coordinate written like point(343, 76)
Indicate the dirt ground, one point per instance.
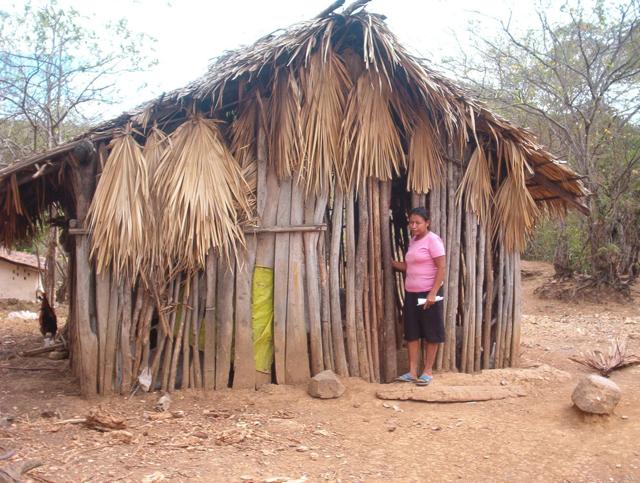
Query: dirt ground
point(281, 434)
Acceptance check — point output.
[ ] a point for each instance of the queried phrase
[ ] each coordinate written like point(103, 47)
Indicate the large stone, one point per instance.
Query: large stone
point(325, 385)
point(596, 394)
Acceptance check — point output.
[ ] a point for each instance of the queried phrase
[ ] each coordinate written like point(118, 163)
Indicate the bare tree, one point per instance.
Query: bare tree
point(577, 81)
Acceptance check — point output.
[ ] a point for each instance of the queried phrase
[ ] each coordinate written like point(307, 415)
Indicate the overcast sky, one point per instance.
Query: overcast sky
point(190, 33)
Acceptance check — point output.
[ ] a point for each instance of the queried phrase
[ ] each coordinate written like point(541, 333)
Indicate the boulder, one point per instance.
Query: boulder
point(596, 394)
point(325, 385)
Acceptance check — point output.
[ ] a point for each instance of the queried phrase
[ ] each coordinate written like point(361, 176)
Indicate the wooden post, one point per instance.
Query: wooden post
point(195, 333)
point(244, 367)
point(508, 308)
point(209, 369)
point(454, 281)
point(281, 282)
point(166, 365)
point(340, 361)
point(517, 311)
point(103, 282)
point(500, 327)
point(350, 286)
point(187, 380)
point(488, 306)
point(360, 282)
point(224, 319)
point(325, 307)
point(83, 181)
point(389, 353)
point(314, 213)
point(373, 268)
point(479, 295)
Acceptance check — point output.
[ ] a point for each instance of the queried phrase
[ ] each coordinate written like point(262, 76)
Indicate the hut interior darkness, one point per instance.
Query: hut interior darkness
point(241, 230)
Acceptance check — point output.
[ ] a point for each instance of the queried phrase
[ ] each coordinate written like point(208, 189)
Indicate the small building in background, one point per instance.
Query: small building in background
point(19, 275)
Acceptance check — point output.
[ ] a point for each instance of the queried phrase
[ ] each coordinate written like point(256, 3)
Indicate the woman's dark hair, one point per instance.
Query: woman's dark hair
point(421, 211)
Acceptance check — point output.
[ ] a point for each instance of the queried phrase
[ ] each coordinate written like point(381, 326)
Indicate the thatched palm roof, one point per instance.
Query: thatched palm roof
point(350, 55)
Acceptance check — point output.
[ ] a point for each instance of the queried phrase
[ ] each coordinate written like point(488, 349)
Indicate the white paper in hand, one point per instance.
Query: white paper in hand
point(424, 301)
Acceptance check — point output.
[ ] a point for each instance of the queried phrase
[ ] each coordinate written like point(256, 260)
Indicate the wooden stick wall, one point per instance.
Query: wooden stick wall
point(337, 302)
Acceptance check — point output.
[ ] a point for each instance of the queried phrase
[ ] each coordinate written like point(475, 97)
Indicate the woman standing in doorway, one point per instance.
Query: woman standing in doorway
point(424, 267)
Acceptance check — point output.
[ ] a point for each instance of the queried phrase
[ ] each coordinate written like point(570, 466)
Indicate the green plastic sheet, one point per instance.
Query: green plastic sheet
point(262, 318)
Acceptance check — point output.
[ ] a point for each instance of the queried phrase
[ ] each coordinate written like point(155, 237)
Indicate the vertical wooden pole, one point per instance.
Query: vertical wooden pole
point(314, 214)
point(325, 308)
point(509, 308)
point(125, 340)
point(517, 311)
point(281, 282)
point(172, 336)
point(340, 361)
point(488, 306)
point(224, 320)
point(360, 282)
point(454, 280)
point(244, 367)
point(297, 348)
point(389, 353)
point(83, 181)
point(373, 267)
point(113, 325)
point(195, 333)
point(187, 318)
point(500, 316)
point(350, 285)
point(480, 257)
point(103, 282)
point(209, 369)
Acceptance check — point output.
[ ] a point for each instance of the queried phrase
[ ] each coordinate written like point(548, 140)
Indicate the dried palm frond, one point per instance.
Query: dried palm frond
point(515, 214)
point(326, 86)
point(370, 138)
point(199, 184)
point(285, 121)
point(243, 131)
point(605, 363)
point(120, 215)
point(425, 164)
point(155, 147)
point(476, 185)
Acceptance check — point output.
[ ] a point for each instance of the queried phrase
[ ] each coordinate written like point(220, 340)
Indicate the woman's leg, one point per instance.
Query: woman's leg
point(430, 351)
point(413, 349)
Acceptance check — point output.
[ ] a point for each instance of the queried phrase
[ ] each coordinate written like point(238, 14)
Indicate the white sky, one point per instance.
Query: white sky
point(191, 32)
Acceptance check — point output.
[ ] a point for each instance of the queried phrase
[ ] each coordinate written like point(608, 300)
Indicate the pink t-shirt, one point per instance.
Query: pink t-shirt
point(421, 269)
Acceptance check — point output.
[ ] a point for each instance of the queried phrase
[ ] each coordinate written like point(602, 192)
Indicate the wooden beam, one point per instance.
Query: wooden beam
point(562, 193)
point(330, 8)
point(284, 228)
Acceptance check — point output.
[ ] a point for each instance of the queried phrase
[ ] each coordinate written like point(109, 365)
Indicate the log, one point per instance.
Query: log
point(373, 267)
point(379, 340)
point(224, 321)
point(281, 282)
point(178, 336)
point(479, 296)
point(113, 326)
point(454, 280)
point(209, 321)
point(340, 361)
point(449, 394)
point(350, 286)
point(41, 350)
point(103, 283)
point(325, 307)
point(170, 338)
point(360, 282)
point(517, 311)
point(388, 342)
point(314, 212)
point(468, 320)
point(125, 340)
point(500, 318)
point(299, 228)
point(244, 366)
point(187, 380)
point(83, 182)
point(195, 334)
point(510, 275)
point(488, 306)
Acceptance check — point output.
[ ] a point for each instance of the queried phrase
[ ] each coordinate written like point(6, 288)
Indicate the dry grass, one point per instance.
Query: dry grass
point(370, 138)
point(475, 186)
point(606, 362)
point(285, 123)
point(120, 214)
point(199, 185)
point(425, 164)
point(326, 86)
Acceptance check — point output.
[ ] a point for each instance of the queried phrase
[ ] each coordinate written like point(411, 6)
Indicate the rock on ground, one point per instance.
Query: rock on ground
point(325, 385)
point(596, 394)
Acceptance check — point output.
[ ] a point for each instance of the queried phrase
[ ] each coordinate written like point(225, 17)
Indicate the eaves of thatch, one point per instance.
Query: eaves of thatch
point(28, 186)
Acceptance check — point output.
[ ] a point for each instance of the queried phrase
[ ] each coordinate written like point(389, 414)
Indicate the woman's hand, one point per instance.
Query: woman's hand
point(402, 266)
point(431, 299)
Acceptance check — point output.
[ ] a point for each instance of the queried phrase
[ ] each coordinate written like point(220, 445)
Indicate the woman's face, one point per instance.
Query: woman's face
point(418, 226)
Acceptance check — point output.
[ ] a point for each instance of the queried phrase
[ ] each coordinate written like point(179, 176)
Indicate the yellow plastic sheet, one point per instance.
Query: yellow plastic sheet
point(262, 318)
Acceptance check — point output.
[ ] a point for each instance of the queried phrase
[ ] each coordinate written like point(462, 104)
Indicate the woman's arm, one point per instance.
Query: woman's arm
point(442, 269)
point(401, 266)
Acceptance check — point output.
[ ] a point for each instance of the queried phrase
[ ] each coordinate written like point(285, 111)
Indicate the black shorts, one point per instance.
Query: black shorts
point(421, 323)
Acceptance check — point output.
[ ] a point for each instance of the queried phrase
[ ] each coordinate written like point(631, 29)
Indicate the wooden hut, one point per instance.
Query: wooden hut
point(296, 158)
